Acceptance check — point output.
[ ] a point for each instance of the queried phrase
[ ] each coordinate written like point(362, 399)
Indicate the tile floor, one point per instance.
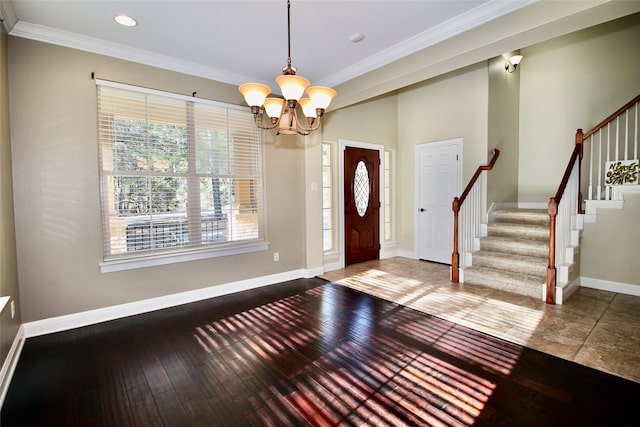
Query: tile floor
point(595, 328)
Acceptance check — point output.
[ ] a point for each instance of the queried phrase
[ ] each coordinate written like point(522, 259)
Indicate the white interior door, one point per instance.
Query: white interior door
point(438, 169)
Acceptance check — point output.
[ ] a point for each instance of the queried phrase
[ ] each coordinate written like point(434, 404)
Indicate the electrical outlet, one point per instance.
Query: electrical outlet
point(276, 256)
point(13, 309)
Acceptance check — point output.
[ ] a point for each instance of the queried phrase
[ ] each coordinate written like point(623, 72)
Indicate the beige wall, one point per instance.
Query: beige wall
point(8, 267)
point(54, 142)
point(564, 83)
point(575, 82)
point(609, 247)
point(451, 106)
point(374, 121)
point(448, 107)
point(568, 83)
point(504, 96)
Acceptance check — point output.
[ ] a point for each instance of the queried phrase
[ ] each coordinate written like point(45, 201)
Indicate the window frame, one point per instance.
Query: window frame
point(185, 253)
point(389, 197)
point(333, 213)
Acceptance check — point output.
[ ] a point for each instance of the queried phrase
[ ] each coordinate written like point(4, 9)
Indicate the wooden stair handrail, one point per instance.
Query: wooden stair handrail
point(457, 202)
point(555, 200)
point(577, 152)
point(613, 116)
point(474, 178)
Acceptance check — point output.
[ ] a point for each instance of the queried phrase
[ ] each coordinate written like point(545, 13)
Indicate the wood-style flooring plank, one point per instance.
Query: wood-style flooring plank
point(303, 352)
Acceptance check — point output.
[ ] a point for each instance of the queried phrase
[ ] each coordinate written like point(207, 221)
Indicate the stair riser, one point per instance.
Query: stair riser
point(538, 270)
point(539, 234)
point(520, 221)
point(518, 249)
point(525, 289)
point(514, 253)
point(521, 217)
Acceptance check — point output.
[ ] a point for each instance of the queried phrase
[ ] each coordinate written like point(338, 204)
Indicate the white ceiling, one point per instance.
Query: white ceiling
point(240, 40)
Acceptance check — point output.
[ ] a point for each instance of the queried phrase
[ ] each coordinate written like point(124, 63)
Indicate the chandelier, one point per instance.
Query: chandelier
point(282, 111)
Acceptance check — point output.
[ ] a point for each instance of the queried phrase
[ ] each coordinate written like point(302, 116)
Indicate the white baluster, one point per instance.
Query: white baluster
point(626, 136)
point(635, 151)
point(591, 169)
point(599, 189)
point(617, 138)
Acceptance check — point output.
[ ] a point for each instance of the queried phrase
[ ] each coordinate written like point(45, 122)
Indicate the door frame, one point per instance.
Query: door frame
point(459, 142)
point(342, 145)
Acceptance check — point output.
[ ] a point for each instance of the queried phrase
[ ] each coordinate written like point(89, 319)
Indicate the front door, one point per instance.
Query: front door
point(438, 184)
point(361, 205)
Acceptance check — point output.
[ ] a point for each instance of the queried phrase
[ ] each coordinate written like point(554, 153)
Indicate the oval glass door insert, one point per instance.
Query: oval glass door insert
point(361, 188)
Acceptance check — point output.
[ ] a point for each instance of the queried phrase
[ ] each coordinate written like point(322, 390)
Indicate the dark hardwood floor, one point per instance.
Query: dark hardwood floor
point(305, 352)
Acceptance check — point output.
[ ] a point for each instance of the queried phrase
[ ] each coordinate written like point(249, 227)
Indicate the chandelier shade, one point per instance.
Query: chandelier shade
point(254, 93)
point(273, 107)
point(321, 96)
point(283, 112)
point(308, 108)
point(292, 86)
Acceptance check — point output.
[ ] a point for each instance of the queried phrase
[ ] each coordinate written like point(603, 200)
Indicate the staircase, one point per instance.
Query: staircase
point(536, 252)
point(513, 256)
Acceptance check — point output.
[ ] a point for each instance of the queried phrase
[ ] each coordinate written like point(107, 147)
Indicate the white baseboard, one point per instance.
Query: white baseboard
point(388, 253)
point(76, 320)
point(607, 285)
point(10, 363)
point(408, 254)
point(333, 266)
point(313, 272)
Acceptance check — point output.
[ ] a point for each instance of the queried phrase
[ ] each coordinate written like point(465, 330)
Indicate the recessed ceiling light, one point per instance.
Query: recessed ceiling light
point(125, 20)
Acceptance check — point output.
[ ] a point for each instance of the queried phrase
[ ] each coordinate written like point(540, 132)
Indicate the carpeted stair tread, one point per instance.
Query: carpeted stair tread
point(513, 256)
point(519, 230)
point(529, 216)
point(529, 247)
point(520, 264)
point(518, 283)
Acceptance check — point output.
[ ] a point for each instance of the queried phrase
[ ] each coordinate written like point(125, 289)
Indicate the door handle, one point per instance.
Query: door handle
point(422, 210)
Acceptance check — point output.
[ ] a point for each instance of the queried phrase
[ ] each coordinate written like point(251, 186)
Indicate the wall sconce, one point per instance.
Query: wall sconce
point(511, 65)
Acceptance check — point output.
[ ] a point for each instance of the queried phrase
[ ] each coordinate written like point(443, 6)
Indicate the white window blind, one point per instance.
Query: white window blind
point(178, 174)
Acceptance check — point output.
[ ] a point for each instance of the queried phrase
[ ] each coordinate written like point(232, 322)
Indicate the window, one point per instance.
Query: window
point(328, 229)
point(388, 216)
point(179, 176)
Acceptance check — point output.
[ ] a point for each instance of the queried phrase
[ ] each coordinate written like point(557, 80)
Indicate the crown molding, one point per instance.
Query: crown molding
point(464, 22)
point(94, 45)
point(8, 15)
point(451, 28)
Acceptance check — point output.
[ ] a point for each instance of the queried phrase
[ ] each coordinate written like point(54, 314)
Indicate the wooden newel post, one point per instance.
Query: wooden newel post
point(455, 256)
point(551, 268)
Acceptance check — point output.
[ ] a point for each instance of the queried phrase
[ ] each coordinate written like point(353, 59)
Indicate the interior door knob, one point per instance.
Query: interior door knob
point(422, 210)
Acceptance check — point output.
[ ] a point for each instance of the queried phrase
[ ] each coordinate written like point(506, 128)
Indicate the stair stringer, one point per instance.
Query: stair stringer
point(617, 201)
point(568, 274)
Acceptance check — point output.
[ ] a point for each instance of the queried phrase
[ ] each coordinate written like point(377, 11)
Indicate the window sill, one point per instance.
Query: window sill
point(331, 255)
point(121, 265)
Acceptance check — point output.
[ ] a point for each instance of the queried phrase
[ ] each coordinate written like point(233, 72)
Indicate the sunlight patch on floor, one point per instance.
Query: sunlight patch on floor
point(446, 300)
